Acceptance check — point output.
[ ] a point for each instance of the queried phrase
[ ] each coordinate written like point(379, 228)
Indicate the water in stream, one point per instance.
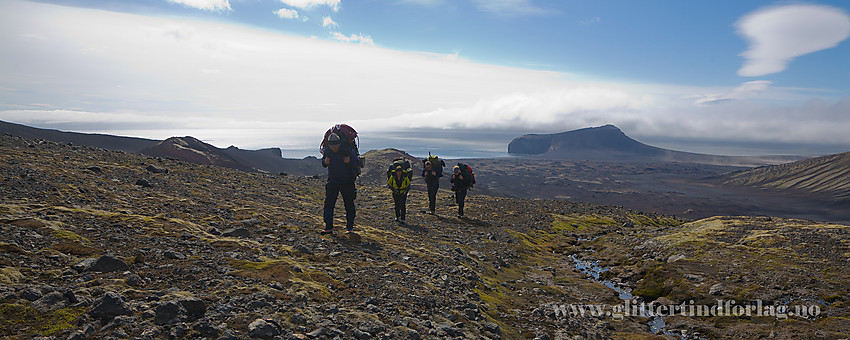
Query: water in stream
point(656, 323)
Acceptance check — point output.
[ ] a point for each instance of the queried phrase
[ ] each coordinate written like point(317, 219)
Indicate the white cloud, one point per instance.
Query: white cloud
point(424, 2)
point(209, 5)
point(156, 77)
point(307, 4)
point(328, 22)
point(354, 38)
point(591, 21)
point(509, 7)
point(561, 108)
point(777, 35)
point(746, 90)
point(285, 13)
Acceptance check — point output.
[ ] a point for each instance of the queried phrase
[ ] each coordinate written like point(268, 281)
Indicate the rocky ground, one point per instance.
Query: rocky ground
point(99, 244)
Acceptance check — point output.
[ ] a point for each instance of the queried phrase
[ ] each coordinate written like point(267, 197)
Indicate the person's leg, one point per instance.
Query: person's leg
point(348, 194)
point(331, 194)
point(403, 206)
point(397, 205)
point(432, 196)
point(461, 196)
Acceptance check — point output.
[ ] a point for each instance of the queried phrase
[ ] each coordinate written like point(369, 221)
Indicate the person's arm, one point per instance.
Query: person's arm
point(354, 161)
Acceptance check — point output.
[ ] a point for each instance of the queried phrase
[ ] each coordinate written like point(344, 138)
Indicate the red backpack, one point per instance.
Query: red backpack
point(349, 139)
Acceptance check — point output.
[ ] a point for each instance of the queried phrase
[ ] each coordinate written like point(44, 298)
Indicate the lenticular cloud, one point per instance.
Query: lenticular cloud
point(779, 34)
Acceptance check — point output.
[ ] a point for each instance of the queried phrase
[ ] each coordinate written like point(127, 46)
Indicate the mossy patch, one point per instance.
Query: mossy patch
point(75, 248)
point(653, 285)
point(269, 270)
point(573, 223)
point(28, 321)
point(11, 248)
point(10, 275)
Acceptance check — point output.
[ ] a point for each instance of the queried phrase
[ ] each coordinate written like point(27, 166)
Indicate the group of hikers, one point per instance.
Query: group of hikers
point(341, 157)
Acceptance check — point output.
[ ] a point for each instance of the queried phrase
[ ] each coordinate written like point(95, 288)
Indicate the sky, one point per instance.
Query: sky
point(459, 76)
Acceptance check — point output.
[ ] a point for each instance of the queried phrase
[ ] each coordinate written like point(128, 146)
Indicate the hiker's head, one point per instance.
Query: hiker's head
point(334, 141)
point(456, 169)
point(428, 164)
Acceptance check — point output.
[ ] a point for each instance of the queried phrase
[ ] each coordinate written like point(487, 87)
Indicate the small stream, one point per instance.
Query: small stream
point(656, 323)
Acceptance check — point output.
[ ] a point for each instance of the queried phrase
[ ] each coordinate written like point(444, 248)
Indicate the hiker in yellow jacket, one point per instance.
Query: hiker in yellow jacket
point(399, 183)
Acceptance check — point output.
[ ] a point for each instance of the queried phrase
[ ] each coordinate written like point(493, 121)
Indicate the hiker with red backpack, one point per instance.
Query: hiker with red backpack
point(342, 161)
point(462, 180)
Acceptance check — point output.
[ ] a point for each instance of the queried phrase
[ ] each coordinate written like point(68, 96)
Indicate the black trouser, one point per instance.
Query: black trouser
point(432, 195)
point(332, 191)
point(400, 201)
point(460, 195)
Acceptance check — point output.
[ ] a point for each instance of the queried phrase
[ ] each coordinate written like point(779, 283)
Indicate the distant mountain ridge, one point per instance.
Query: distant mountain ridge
point(188, 149)
point(192, 150)
point(609, 143)
point(109, 142)
point(826, 175)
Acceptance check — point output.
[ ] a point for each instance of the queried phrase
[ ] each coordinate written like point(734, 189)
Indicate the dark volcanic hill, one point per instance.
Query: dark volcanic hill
point(186, 149)
point(824, 175)
point(192, 150)
point(377, 162)
point(109, 142)
point(609, 143)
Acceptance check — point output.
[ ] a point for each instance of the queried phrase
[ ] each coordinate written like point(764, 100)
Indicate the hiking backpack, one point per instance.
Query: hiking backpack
point(349, 139)
point(437, 164)
point(468, 175)
point(405, 166)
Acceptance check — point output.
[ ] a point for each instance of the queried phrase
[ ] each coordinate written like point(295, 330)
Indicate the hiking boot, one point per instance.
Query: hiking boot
point(401, 221)
point(326, 231)
point(349, 229)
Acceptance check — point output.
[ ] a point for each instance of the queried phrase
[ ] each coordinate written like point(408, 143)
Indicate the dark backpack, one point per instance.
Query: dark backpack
point(349, 139)
point(437, 164)
point(468, 175)
point(405, 166)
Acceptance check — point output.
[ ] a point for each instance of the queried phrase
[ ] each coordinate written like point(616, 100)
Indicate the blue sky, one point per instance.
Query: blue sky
point(261, 73)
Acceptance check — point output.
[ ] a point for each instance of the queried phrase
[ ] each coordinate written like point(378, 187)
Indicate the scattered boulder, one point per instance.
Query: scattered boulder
point(237, 232)
point(303, 249)
point(168, 313)
point(174, 311)
point(173, 255)
point(194, 307)
point(144, 183)
point(361, 335)
point(298, 319)
point(263, 329)
point(30, 293)
point(110, 305)
point(50, 302)
point(717, 289)
point(156, 170)
point(108, 264)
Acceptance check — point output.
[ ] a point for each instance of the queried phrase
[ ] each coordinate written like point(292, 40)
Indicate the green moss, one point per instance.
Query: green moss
point(29, 322)
point(652, 287)
point(10, 275)
point(654, 221)
point(574, 223)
